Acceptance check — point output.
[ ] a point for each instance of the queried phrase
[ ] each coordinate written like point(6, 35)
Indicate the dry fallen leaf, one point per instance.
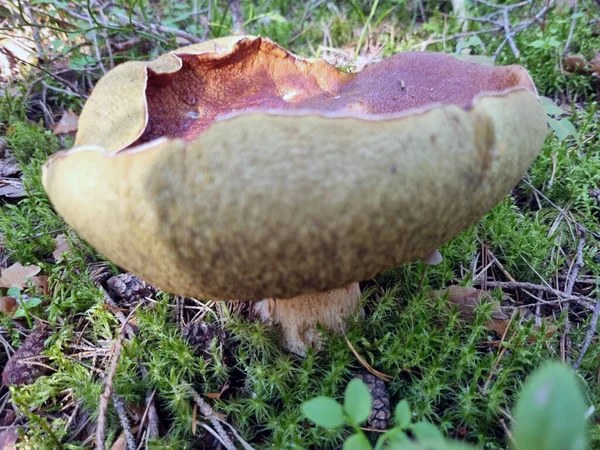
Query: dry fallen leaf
point(62, 246)
point(68, 124)
point(575, 63)
point(8, 305)
point(467, 299)
point(12, 188)
point(595, 65)
point(120, 443)
point(41, 284)
point(217, 395)
point(9, 438)
point(17, 275)
point(8, 166)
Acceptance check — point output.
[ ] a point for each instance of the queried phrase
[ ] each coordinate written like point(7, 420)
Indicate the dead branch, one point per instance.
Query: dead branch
point(120, 408)
point(208, 412)
point(588, 336)
point(237, 16)
point(105, 397)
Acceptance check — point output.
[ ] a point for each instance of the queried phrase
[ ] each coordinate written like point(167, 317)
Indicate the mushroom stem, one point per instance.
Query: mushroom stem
point(300, 315)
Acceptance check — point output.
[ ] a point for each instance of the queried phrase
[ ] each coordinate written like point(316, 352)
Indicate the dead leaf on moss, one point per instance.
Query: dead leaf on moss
point(575, 64)
point(595, 65)
point(17, 275)
point(12, 188)
point(217, 395)
point(120, 443)
point(62, 246)
point(9, 438)
point(68, 124)
point(467, 299)
point(41, 284)
point(8, 305)
point(8, 166)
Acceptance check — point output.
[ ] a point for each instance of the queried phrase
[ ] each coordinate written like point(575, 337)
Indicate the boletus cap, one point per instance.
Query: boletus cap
point(235, 169)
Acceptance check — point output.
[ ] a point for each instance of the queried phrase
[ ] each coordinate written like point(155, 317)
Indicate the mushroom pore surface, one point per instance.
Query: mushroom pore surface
point(260, 75)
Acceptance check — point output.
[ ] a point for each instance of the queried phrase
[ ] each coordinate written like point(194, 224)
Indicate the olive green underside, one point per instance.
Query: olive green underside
point(277, 206)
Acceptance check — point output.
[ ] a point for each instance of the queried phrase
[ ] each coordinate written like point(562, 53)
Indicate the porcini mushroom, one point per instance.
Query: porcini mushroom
point(234, 169)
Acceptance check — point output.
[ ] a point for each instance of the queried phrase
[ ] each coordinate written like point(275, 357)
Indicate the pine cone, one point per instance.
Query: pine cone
point(127, 289)
point(17, 370)
point(200, 336)
point(380, 415)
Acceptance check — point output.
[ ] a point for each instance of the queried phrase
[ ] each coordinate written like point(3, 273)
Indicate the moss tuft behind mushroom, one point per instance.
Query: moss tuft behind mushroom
point(233, 169)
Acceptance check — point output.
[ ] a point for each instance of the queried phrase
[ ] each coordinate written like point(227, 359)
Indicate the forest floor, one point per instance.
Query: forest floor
point(536, 254)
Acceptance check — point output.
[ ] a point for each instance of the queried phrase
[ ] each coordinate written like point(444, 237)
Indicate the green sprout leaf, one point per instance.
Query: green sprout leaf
point(357, 441)
point(551, 108)
point(14, 292)
point(550, 412)
point(426, 432)
point(324, 411)
point(403, 414)
point(357, 401)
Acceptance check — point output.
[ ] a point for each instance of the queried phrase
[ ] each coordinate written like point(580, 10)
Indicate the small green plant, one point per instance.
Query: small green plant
point(25, 304)
point(563, 127)
point(550, 415)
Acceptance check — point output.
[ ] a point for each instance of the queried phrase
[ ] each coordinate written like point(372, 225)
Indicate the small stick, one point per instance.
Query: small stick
point(571, 29)
point(237, 16)
point(547, 289)
point(208, 412)
point(588, 336)
point(566, 344)
point(105, 397)
point(120, 408)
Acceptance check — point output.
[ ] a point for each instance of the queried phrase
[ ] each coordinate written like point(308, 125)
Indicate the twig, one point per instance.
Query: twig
point(120, 408)
point(105, 397)
point(561, 210)
point(572, 28)
point(501, 352)
point(538, 287)
point(577, 266)
point(237, 16)
point(511, 41)
point(589, 335)
point(208, 412)
point(151, 408)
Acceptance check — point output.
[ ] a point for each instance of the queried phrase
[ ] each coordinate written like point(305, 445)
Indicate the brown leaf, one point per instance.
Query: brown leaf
point(467, 299)
point(120, 443)
point(41, 284)
point(12, 188)
point(8, 166)
point(8, 305)
point(9, 438)
point(595, 65)
point(17, 275)
point(62, 246)
point(18, 370)
point(217, 395)
point(68, 124)
point(575, 64)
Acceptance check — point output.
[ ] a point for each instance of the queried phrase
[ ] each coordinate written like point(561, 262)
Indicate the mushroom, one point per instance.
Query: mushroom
point(233, 169)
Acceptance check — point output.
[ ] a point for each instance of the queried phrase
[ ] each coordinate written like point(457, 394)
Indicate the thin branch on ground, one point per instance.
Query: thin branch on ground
point(572, 28)
point(237, 16)
point(209, 414)
point(588, 336)
point(577, 266)
point(106, 395)
point(579, 299)
point(120, 408)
